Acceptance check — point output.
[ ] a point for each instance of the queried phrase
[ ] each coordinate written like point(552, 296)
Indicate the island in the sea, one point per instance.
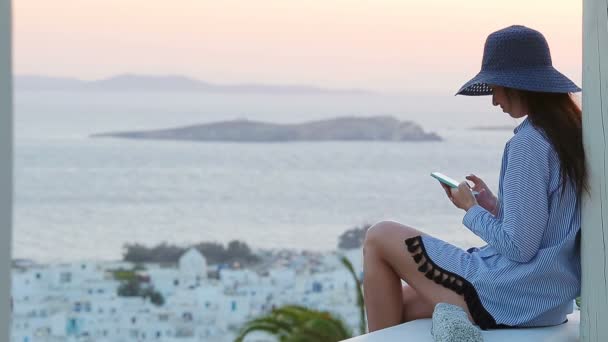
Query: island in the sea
point(493, 128)
point(382, 128)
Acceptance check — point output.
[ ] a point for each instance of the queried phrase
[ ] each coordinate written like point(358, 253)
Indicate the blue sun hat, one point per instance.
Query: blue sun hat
point(517, 57)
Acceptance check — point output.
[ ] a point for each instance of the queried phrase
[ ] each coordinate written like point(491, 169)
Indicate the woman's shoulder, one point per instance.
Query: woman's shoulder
point(530, 138)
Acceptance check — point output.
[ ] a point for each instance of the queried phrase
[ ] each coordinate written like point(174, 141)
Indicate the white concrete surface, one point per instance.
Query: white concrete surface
point(420, 331)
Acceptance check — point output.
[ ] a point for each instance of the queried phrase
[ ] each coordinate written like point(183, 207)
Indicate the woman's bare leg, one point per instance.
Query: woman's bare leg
point(415, 306)
point(386, 261)
point(381, 292)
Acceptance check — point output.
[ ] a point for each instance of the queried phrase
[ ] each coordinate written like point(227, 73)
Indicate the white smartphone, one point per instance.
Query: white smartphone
point(452, 183)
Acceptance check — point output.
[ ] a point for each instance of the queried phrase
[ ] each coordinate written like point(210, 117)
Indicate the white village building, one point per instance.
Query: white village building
point(79, 301)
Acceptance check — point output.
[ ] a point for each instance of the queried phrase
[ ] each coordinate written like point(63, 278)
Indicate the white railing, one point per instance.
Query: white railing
point(6, 166)
point(594, 239)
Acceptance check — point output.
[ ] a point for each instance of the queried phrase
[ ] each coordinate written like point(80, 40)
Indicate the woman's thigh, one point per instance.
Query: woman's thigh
point(386, 240)
point(414, 305)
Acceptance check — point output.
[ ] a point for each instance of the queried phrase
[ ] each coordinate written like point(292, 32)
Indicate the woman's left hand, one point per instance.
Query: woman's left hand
point(463, 197)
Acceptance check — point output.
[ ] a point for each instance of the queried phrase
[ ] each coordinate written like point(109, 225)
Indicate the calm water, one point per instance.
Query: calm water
point(78, 197)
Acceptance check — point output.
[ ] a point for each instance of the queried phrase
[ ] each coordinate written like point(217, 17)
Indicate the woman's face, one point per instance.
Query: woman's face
point(511, 105)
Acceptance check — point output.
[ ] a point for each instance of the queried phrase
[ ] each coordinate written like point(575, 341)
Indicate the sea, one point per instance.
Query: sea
point(82, 198)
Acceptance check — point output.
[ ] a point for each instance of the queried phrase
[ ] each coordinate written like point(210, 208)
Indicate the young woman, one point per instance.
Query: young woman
point(529, 271)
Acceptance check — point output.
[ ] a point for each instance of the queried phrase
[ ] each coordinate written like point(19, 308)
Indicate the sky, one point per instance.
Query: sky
point(380, 45)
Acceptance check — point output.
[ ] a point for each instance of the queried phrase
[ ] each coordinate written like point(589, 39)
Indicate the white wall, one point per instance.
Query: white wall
point(594, 307)
point(6, 169)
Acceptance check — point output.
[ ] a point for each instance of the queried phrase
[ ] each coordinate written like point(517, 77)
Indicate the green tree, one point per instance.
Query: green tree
point(293, 323)
point(123, 275)
point(155, 297)
point(215, 253)
point(353, 238)
point(129, 288)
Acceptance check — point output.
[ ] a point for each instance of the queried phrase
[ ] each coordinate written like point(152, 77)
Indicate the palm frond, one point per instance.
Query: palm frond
point(297, 323)
point(251, 327)
point(329, 328)
point(360, 300)
point(271, 320)
point(293, 313)
point(303, 334)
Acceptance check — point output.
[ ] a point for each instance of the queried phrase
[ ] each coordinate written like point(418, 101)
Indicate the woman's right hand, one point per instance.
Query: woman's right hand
point(485, 199)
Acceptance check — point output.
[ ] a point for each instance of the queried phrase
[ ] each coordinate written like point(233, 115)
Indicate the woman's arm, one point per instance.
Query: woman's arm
point(525, 202)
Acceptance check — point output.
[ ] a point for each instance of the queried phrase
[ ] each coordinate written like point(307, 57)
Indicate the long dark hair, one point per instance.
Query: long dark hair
point(560, 117)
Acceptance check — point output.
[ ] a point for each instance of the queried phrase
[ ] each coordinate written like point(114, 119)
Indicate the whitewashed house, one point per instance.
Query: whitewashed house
point(192, 264)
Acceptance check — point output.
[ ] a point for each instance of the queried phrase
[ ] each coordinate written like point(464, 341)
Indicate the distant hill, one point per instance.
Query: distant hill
point(174, 83)
point(383, 128)
point(494, 128)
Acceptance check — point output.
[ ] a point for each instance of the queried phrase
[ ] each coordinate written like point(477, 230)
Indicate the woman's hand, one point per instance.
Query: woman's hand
point(486, 199)
point(462, 197)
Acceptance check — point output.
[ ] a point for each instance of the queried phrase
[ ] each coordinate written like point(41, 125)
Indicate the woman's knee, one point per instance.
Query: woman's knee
point(384, 231)
point(377, 232)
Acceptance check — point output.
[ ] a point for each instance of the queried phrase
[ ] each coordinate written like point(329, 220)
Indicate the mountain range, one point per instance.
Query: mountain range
point(168, 83)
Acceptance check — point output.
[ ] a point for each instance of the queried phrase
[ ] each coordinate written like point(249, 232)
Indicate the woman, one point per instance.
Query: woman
point(529, 271)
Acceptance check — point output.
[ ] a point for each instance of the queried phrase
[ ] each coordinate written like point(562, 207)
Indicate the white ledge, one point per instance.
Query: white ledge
point(420, 331)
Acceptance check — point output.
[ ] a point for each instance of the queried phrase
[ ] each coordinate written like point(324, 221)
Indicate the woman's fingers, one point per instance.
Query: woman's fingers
point(447, 190)
point(464, 186)
point(479, 183)
point(474, 179)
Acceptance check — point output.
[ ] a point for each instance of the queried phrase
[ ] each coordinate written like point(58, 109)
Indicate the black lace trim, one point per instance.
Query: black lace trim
point(453, 282)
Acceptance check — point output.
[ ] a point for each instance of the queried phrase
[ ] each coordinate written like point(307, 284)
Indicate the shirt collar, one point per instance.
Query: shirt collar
point(521, 125)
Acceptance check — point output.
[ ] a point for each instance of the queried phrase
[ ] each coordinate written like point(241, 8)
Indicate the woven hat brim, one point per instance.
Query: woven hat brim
point(545, 79)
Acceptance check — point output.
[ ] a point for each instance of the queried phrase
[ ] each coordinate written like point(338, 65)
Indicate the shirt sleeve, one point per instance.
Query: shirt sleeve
point(525, 204)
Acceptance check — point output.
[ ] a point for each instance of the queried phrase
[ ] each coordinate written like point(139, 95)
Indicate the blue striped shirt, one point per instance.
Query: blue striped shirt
point(529, 272)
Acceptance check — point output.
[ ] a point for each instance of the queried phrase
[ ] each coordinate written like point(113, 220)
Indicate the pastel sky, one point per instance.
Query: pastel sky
point(384, 45)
